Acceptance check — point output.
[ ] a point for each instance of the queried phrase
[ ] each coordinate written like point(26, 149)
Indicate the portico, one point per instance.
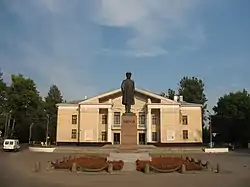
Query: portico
point(99, 119)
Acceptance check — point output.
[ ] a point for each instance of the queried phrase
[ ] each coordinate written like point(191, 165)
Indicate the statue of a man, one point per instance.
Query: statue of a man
point(128, 92)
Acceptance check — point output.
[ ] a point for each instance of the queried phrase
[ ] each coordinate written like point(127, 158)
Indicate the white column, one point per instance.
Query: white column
point(160, 137)
point(149, 126)
point(110, 121)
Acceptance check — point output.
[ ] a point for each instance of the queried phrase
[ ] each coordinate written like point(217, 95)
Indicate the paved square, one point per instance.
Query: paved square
point(17, 170)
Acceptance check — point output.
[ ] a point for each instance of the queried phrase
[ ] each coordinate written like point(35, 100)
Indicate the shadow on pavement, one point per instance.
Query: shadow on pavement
point(244, 151)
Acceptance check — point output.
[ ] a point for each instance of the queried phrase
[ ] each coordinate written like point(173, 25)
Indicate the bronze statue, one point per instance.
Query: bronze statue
point(128, 92)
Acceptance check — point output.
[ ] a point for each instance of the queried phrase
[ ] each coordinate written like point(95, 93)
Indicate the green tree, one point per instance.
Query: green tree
point(192, 90)
point(3, 101)
point(25, 105)
point(170, 94)
point(54, 97)
point(232, 117)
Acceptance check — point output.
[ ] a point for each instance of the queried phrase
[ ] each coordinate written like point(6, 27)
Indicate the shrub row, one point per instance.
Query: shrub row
point(91, 162)
point(168, 163)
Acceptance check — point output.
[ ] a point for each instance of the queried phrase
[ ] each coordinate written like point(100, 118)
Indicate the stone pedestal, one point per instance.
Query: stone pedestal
point(129, 132)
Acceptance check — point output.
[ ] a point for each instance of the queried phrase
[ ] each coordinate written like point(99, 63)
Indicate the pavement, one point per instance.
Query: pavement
point(17, 169)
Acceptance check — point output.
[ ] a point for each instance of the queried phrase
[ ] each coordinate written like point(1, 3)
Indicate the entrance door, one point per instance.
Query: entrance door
point(142, 138)
point(117, 138)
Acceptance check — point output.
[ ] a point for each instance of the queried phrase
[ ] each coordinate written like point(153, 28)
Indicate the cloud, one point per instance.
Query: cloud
point(153, 23)
point(55, 44)
point(150, 52)
point(56, 41)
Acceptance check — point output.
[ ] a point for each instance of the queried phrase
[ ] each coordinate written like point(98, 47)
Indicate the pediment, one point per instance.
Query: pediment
point(140, 94)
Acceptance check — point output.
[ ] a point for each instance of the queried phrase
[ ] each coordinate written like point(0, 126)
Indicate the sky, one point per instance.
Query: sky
point(85, 47)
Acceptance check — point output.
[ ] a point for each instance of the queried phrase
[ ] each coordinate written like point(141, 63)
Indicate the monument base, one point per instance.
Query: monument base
point(129, 132)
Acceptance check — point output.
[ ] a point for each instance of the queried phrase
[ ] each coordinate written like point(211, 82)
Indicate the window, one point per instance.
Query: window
point(117, 118)
point(104, 119)
point(154, 119)
point(185, 134)
point(154, 136)
point(74, 119)
point(142, 138)
point(73, 134)
point(142, 118)
point(104, 136)
point(117, 138)
point(184, 120)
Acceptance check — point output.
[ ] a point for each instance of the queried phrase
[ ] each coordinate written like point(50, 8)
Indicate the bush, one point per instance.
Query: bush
point(117, 165)
point(168, 163)
point(90, 162)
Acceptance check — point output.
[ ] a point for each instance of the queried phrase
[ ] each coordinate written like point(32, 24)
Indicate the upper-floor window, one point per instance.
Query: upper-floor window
point(184, 120)
point(185, 134)
point(117, 118)
point(104, 119)
point(73, 134)
point(142, 118)
point(154, 119)
point(74, 119)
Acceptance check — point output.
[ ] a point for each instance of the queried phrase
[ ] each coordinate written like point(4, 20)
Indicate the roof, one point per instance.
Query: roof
point(184, 103)
point(146, 92)
point(74, 102)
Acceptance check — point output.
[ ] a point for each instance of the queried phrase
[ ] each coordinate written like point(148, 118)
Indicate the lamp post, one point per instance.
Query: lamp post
point(47, 129)
point(30, 134)
point(210, 130)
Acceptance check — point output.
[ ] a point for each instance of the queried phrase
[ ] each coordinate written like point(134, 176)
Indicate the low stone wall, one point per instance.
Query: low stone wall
point(42, 149)
point(216, 150)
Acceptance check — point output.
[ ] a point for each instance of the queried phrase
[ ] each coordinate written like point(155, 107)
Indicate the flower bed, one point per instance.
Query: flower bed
point(168, 164)
point(117, 165)
point(90, 163)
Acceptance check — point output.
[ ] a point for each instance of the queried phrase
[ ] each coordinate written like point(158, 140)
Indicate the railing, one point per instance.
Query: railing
point(142, 125)
point(116, 125)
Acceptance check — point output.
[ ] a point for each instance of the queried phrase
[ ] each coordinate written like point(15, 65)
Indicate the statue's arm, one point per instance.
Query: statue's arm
point(133, 87)
point(122, 86)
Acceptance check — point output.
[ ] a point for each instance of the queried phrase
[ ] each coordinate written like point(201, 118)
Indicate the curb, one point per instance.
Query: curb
point(42, 149)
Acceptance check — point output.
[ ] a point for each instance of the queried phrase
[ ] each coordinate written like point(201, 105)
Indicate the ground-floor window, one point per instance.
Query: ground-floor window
point(104, 136)
point(185, 134)
point(154, 136)
point(73, 134)
point(142, 138)
point(117, 138)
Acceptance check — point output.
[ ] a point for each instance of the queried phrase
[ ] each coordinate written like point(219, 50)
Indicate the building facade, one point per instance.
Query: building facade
point(97, 120)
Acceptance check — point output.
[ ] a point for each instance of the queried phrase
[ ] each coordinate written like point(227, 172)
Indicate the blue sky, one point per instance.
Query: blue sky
point(85, 47)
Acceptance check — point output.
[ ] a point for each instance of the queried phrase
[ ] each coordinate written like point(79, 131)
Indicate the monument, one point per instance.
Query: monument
point(129, 119)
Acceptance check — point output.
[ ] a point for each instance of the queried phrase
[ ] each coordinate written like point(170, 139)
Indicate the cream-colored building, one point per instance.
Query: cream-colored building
point(97, 120)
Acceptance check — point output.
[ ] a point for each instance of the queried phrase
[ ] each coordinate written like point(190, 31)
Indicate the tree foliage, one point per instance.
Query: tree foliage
point(232, 117)
point(235, 105)
point(54, 97)
point(192, 90)
point(170, 94)
point(23, 111)
point(24, 105)
point(3, 101)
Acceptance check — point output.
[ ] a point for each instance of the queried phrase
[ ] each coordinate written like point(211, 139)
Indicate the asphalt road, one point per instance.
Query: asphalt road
point(16, 170)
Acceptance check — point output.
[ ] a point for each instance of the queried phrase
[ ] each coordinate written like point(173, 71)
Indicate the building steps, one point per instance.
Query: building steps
point(129, 166)
point(129, 157)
